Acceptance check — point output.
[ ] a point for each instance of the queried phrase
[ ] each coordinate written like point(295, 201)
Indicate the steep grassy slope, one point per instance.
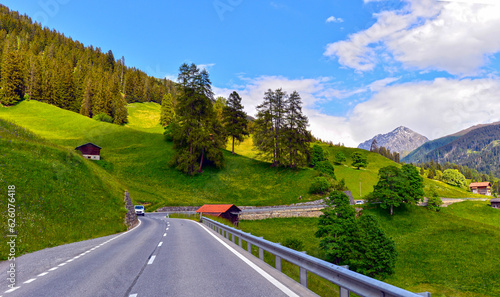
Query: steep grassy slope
point(60, 196)
point(140, 161)
point(450, 253)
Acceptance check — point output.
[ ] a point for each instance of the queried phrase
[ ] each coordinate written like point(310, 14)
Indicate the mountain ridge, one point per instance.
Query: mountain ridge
point(402, 140)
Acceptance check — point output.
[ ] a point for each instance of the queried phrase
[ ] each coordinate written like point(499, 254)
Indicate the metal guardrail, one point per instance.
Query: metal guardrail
point(347, 280)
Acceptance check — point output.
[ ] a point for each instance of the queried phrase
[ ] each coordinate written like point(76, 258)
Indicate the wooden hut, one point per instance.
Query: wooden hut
point(482, 188)
point(495, 203)
point(90, 151)
point(226, 211)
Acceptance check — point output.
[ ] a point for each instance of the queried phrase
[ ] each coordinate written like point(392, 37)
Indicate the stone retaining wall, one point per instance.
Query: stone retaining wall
point(131, 218)
point(286, 213)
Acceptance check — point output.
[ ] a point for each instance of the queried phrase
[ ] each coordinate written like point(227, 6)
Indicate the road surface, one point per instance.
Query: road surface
point(160, 257)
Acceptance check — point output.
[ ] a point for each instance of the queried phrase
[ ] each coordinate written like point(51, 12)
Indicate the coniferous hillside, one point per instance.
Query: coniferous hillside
point(44, 65)
point(478, 149)
point(419, 154)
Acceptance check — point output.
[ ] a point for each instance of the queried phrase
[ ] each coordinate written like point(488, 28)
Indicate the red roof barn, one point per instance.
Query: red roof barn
point(90, 151)
point(226, 211)
point(483, 188)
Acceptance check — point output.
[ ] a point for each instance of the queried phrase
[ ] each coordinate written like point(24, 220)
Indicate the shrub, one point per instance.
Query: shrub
point(103, 118)
point(453, 177)
point(320, 185)
point(434, 203)
point(325, 167)
point(294, 243)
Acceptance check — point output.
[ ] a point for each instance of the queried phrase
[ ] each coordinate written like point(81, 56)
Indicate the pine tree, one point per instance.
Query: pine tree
point(167, 110)
point(296, 135)
point(11, 82)
point(86, 108)
point(234, 118)
point(269, 126)
point(196, 132)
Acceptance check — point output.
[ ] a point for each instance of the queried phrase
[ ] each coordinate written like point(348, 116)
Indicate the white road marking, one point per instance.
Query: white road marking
point(161, 242)
point(131, 295)
point(29, 281)
point(151, 260)
point(12, 290)
point(165, 234)
point(62, 264)
point(271, 279)
point(167, 229)
point(53, 268)
point(44, 273)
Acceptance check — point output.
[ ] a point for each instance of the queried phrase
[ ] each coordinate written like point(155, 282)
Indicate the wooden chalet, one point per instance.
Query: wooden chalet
point(90, 151)
point(495, 203)
point(482, 188)
point(226, 211)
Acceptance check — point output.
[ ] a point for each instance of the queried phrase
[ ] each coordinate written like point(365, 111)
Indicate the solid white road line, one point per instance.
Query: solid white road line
point(151, 260)
point(271, 279)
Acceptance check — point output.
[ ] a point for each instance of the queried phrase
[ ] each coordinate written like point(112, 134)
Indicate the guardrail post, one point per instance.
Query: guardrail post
point(233, 238)
point(303, 276)
point(249, 247)
point(343, 292)
point(240, 242)
point(261, 253)
point(277, 261)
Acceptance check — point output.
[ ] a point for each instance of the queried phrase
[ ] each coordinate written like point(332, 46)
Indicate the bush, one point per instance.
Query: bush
point(318, 155)
point(434, 202)
point(320, 185)
point(294, 243)
point(103, 118)
point(453, 177)
point(168, 133)
point(325, 167)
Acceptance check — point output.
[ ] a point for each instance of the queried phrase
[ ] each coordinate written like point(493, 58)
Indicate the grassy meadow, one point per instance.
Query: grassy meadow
point(60, 197)
point(448, 253)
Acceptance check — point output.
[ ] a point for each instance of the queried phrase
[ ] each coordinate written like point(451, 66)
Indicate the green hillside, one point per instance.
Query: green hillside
point(60, 196)
point(138, 156)
point(452, 253)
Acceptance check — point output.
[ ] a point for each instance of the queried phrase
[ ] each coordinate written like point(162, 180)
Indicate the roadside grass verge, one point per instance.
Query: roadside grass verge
point(60, 196)
point(448, 253)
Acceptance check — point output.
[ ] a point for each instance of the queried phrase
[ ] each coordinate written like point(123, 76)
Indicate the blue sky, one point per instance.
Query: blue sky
point(362, 67)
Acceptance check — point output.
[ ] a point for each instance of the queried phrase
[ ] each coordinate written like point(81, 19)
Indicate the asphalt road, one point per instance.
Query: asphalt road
point(160, 257)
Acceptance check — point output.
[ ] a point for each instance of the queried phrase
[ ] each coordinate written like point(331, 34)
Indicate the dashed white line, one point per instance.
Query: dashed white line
point(151, 260)
point(12, 290)
point(165, 234)
point(62, 264)
point(161, 242)
point(131, 295)
point(44, 273)
point(53, 268)
point(29, 281)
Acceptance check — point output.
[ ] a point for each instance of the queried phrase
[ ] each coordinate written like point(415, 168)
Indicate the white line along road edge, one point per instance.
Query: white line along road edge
point(271, 279)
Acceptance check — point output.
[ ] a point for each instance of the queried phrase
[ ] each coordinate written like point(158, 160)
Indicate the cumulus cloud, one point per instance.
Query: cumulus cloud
point(433, 108)
point(333, 19)
point(454, 36)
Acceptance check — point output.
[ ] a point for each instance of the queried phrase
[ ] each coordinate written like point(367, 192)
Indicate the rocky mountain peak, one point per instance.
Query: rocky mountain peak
point(402, 140)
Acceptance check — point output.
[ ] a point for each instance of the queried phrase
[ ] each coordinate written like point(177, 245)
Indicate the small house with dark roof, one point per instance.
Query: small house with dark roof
point(482, 188)
point(495, 203)
point(90, 151)
point(227, 211)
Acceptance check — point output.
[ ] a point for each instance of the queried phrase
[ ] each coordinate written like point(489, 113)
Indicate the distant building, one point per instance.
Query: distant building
point(495, 203)
point(483, 188)
point(90, 151)
point(226, 211)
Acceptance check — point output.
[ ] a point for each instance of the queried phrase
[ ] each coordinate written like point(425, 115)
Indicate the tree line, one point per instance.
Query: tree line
point(41, 64)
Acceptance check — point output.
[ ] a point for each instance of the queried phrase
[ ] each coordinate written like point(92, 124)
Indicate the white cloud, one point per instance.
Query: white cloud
point(433, 108)
point(452, 36)
point(333, 19)
point(206, 66)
